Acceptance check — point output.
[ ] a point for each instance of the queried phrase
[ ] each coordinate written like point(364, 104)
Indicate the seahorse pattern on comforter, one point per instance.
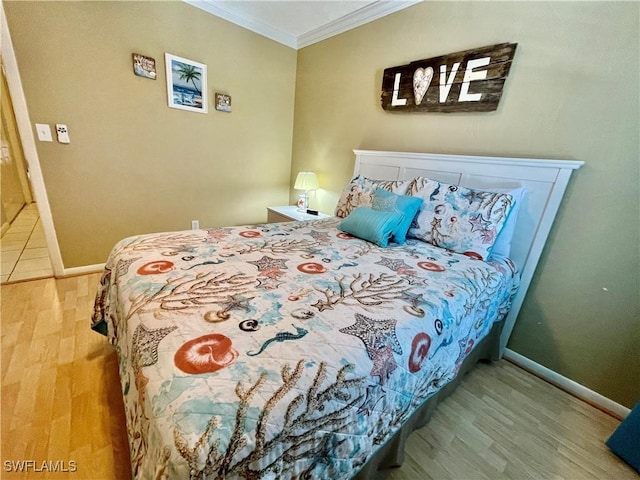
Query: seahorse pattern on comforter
point(288, 350)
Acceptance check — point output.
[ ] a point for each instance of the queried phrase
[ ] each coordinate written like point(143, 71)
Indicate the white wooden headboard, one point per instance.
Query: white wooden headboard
point(545, 181)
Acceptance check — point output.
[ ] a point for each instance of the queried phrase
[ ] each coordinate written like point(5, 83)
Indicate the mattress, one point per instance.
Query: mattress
point(289, 350)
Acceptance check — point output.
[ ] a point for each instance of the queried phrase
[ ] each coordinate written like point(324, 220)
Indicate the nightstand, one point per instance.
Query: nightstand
point(290, 213)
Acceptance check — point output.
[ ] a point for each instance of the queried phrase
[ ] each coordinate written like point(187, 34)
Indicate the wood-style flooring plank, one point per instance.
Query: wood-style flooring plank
point(61, 402)
point(534, 431)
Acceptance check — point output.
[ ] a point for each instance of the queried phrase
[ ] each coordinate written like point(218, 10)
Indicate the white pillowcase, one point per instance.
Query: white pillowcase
point(502, 246)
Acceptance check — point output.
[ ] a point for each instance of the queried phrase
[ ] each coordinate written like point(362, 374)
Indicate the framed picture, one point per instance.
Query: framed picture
point(186, 84)
point(144, 66)
point(223, 102)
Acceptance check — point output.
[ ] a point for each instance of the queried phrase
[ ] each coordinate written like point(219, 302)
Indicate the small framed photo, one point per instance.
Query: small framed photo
point(223, 102)
point(186, 84)
point(144, 66)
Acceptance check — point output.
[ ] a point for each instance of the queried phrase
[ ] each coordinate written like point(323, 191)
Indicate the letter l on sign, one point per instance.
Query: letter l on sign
point(395, 101)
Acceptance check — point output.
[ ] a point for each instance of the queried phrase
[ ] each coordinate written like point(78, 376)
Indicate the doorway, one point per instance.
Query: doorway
point(24, 254)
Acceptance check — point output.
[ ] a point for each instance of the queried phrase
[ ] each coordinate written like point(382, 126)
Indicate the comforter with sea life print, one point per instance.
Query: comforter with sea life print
point(288, 350)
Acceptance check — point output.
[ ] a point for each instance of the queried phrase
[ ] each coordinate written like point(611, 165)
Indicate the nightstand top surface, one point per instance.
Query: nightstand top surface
point(292, 212)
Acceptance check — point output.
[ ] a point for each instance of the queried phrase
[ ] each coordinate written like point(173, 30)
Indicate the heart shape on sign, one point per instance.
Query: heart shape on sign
point(421, 81)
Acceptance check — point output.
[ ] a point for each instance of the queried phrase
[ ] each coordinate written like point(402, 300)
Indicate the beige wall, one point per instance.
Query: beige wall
point(134, 165)
point(572, 93)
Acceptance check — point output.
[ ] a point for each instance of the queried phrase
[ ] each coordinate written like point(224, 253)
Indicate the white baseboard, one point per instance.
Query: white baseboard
point(70, 272)
point(568, 385)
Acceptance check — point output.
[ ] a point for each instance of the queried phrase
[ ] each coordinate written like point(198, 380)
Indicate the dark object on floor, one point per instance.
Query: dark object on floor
point(625, 441)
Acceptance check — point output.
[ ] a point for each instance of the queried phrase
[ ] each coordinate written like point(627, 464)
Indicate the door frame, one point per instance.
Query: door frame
point(29, 149)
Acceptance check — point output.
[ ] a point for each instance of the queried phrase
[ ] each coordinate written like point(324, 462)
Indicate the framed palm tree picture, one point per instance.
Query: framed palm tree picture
point(186, 84)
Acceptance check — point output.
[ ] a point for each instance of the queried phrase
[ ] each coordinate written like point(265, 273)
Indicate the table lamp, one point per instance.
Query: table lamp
point(305, 181)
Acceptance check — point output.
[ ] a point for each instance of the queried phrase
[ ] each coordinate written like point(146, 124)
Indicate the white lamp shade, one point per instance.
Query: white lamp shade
point(306, 181)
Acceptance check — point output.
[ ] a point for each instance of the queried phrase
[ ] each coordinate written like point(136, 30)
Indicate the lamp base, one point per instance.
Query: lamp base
point(303, 202)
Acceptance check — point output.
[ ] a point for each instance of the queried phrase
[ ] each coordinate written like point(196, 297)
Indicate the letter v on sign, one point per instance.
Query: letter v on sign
point(445, 83)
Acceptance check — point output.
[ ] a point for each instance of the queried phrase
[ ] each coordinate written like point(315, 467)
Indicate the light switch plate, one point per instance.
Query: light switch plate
point(63, 133)
point(44, 132)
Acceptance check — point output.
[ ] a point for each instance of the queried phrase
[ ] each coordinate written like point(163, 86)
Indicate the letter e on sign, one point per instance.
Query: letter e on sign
point(469, 76)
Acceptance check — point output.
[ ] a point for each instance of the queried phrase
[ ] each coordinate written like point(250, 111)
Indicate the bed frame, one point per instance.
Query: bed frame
point(545, 181)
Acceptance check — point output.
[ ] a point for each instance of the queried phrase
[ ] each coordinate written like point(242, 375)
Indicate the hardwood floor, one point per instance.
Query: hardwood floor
point(61, 403)
point(504, 423)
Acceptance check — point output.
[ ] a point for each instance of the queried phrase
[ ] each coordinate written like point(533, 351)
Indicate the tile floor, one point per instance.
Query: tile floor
point(24, 254)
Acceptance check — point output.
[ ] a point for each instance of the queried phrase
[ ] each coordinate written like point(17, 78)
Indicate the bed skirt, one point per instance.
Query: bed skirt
point(391, 454)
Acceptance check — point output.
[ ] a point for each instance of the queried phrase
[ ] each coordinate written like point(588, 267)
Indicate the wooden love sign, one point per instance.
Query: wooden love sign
point(469, 81)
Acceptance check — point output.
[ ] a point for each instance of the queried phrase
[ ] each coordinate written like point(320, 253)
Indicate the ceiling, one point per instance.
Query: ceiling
point(299, 23)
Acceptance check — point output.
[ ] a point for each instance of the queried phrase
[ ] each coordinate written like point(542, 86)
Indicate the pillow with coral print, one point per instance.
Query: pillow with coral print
point(457, 218)
point(360, 190)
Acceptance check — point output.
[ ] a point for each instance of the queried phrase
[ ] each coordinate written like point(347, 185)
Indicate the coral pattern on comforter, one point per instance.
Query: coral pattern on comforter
point(288, 350)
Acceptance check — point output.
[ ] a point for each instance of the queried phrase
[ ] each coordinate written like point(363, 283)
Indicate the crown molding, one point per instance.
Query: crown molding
point(245, 22)
point(355, 19)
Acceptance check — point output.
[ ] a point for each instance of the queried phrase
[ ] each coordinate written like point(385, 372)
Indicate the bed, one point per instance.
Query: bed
point(312, 349)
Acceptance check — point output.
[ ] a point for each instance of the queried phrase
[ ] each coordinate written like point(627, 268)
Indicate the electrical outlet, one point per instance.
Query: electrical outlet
point(195, 224)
